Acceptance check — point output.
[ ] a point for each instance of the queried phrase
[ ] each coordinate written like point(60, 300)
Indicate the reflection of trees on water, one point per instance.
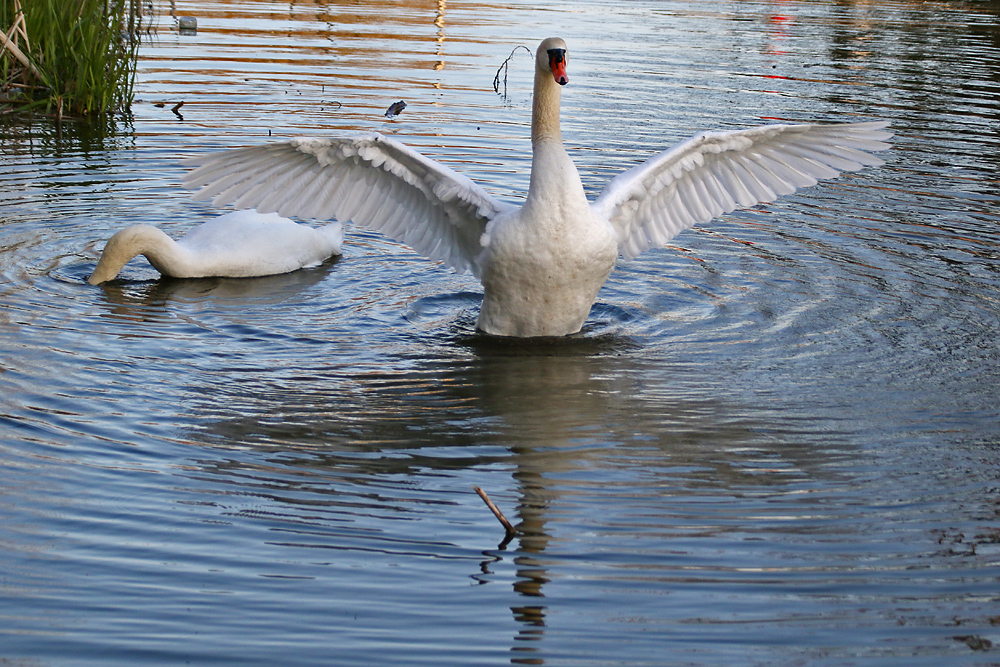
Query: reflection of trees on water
point(362, 32)
point(439, 37)
point(931, 61)
point(42, 137)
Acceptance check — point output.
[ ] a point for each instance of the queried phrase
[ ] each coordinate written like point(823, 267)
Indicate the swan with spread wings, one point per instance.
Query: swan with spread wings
point(541, 264)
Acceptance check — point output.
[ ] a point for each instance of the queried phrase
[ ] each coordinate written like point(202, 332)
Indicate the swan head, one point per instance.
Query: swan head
point(123, 246)
point(551, 57)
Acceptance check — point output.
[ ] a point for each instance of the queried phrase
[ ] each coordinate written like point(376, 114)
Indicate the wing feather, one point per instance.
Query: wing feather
point(714, 172)
point(733, 185)
point(755, 179)
point(788, 169)
point(314, 195)
point(372, 180)
point(339, 187)
point(717, 192)
point(769, 171)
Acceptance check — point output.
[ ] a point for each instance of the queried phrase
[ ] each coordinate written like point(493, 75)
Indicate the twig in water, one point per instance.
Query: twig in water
point(503, 68)
point(496, 512)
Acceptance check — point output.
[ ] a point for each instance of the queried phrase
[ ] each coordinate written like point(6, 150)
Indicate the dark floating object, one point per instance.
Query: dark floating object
point(175, 108)
point(395, 109)
point(187, 25)
point(975, 642)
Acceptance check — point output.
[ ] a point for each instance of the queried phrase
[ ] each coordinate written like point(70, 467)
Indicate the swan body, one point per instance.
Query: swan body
point(240, 244)
point(541, 264)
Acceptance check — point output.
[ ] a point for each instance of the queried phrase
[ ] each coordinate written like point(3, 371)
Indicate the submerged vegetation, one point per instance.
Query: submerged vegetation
point(69, 57)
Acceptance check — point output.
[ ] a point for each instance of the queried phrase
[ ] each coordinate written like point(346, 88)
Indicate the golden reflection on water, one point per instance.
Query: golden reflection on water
point(367, 34)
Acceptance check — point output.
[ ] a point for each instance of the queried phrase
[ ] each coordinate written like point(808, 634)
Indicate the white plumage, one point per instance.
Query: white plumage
point(543, 263)
point(240, 244)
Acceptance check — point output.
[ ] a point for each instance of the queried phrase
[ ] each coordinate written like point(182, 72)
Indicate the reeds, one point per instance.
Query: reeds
point(81, 58)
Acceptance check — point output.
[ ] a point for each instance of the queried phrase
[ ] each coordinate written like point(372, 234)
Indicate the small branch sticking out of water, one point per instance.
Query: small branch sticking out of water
point(496, 512)
point(503, 68)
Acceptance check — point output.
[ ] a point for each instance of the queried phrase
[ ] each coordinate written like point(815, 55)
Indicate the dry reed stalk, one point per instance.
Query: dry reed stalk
point(9, 41)
point(511, 531)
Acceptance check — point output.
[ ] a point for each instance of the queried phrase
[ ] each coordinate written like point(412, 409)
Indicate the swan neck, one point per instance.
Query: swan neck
point(545, 108)
point(161, 251)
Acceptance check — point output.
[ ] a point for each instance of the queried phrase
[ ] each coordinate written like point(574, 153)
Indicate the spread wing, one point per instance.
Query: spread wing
point(715, 172)
point(371, 180)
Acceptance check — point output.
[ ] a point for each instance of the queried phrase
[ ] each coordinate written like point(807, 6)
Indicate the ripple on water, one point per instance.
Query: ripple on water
point(774, 442)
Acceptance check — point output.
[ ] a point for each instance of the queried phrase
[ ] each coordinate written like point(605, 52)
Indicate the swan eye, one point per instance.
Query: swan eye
point(556, 56)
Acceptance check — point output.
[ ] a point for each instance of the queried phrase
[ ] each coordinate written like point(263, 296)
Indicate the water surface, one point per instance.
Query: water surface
point(775, 442)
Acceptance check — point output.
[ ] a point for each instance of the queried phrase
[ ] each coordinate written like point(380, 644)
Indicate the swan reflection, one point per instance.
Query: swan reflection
point(141, 295)
point(569, 418)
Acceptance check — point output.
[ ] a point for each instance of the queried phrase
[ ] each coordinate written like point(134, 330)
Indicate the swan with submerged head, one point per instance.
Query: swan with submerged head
point(541, 264)
point(241, 244)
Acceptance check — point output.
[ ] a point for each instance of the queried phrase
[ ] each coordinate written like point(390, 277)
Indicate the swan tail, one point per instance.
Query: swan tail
point(334, 235)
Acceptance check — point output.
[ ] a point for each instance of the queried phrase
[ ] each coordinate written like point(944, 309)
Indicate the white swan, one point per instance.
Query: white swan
point(240, 244)
point(542, 264)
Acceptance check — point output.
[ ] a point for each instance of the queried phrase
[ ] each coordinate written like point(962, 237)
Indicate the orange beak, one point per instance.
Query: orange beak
point(557, 63)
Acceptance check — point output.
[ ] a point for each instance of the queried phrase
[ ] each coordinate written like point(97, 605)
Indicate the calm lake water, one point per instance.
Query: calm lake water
point(776, 442)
